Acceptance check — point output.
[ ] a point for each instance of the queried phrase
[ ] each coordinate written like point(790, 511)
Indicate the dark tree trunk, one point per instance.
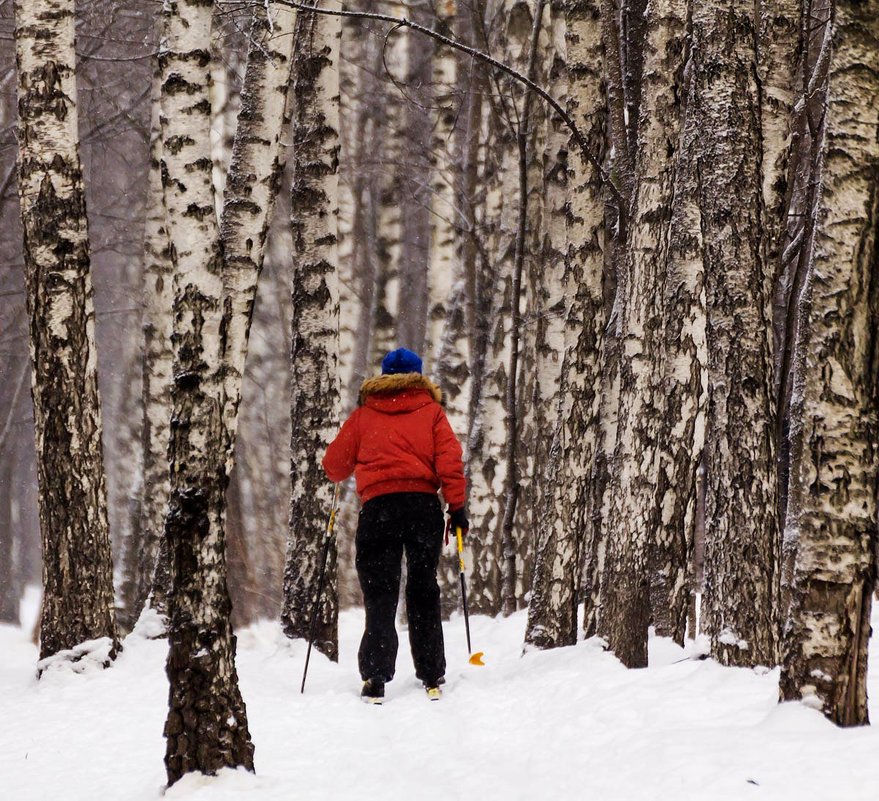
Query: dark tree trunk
point(835, 472)
point(78, 600)
point(315, 329)
point(739, 605)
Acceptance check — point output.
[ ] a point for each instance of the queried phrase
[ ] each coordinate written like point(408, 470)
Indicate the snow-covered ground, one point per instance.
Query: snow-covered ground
point(566, 724)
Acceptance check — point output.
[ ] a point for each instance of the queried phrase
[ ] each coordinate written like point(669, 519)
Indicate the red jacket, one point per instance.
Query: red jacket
point(398, 440)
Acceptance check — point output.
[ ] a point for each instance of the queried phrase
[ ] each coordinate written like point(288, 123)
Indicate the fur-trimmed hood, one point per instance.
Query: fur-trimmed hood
point(396, 383)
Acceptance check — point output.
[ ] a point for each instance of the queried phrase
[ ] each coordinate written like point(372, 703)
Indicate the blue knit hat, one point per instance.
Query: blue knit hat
point(401, 361)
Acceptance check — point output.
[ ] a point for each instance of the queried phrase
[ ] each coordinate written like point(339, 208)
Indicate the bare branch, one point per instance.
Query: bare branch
point(403, 22)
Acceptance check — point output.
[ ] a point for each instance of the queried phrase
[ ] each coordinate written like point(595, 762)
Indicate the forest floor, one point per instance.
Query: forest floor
point(566, 724)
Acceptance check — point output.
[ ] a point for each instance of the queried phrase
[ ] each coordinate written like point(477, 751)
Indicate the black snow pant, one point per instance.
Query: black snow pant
point(389, 526)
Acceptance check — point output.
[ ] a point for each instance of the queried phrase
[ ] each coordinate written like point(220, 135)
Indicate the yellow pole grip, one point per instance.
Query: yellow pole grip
point(460, 548)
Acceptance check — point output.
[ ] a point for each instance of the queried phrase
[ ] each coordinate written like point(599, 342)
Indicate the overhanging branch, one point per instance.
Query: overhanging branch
point(485, 58)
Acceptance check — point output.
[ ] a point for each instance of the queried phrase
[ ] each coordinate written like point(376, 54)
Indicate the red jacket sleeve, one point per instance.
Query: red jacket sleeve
point(341, 455)
point(449, 463)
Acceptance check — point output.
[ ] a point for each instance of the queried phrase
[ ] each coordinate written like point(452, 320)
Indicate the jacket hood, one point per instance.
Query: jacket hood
point(398, 392)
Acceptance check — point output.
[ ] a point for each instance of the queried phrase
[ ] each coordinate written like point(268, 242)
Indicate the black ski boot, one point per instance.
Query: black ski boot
point(373, 691)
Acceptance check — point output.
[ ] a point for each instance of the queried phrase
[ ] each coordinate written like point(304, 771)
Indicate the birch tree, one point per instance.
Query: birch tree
point(834, 472)
point(206, 728)
point(632, 520)
point(158, 281)
point(742, 544)
point(78, 600)
point(442, 272)
point(316, 399)
point(561, 518)
point(681, 434)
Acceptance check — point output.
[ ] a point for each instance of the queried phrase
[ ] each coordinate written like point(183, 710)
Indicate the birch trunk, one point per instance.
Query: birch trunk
point(158, 281)
point(621, 164)
point(562, 511)
point(742, 545)
point(78, 602)
point(487, 465)
point(681, 434)
point(834, 475)
point(316, 400)
point(251, 187)
point(206, 729)
point(457, 358)
point(413, 176)
point(442, 271)
point(632, 521)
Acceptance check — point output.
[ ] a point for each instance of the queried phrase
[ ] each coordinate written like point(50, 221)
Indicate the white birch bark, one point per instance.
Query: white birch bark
point(834, 473)
point(78, 602)
point(739, 603)
point(486, 463)
point(206, 728)
point(681, 435)
point(316, 400)
point(158, 357)
point(561, 513)
point(251, 187)
point(632, 520)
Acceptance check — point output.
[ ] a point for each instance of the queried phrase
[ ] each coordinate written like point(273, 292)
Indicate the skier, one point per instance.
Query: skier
point(402, 450)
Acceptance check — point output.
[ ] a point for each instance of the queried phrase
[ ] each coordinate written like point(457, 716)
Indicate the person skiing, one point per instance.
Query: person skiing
point(401, 449)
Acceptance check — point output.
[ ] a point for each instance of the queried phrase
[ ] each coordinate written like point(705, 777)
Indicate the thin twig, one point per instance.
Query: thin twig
point(404, 22)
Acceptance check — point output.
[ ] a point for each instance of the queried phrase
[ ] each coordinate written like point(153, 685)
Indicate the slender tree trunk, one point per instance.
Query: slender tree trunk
point(633, 521)
point(158, 279)
point(315, 331)
point(511, 402)
point(621, 161)
point(681, 434)
point(487, 437)
point(251, 187)
point(835, 472)
point(206, 728)
point(10, 591)
point(414, 169)
point(78, 600)
point(562, 511)
point(442, 272)
point(739, 604)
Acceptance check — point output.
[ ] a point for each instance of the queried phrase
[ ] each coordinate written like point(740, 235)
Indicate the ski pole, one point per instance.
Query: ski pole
point(320, 583)
point(475, 659)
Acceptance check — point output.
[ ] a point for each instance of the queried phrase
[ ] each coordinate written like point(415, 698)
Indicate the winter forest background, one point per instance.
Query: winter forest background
point(652, 310)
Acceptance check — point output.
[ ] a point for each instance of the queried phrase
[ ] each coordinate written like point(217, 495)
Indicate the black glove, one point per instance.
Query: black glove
point(458, 519)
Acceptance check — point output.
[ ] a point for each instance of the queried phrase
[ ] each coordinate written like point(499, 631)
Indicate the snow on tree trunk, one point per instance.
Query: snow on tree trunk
point(563, 506)
point(742, 546)
point(632, 521)
point(206, 728)
point(315, 331)
point(681, 434)
point(78, 602)
point(834, 475)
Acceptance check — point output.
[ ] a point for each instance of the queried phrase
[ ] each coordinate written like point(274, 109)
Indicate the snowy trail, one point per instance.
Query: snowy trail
point(567, 724)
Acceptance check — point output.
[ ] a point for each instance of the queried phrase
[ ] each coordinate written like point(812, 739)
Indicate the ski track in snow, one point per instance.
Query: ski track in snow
point(565, 724)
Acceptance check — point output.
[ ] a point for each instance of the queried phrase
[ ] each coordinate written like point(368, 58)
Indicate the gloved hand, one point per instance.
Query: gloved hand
point(458, 519)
